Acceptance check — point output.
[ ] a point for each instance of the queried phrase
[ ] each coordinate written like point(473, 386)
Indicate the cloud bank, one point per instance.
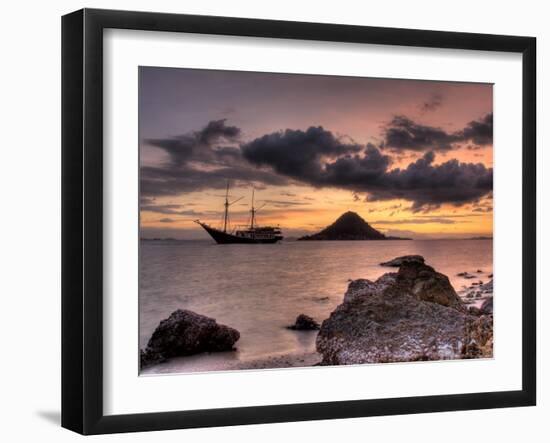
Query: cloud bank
point(317, 157)
point(199, 160)
point(402, 133)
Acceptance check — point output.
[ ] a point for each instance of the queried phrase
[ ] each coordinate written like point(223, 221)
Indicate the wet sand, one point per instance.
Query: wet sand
point(219, 362)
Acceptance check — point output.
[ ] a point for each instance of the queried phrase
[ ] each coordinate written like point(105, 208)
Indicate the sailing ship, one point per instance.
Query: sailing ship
point(251, 234)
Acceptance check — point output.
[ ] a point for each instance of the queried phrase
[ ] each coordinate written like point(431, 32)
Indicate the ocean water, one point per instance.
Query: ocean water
point(260, 289)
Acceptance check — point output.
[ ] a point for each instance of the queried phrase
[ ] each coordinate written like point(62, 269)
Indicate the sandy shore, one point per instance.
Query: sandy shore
point(280, 361)
point(229, 361)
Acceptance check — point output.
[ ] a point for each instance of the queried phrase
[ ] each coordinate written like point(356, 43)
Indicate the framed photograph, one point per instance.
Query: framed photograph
point(268, 221)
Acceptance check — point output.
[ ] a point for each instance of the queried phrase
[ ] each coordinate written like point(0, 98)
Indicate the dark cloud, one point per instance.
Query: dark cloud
point(434, 102)
point(358, 170)
point(426, 185)
point(197, 162)
point(387, 208)
point(479, 132)
point(484, 209)
point(318, 158)
point(166, 181)
point(166, 220)
point(198, 145)
point(402, 133)
point(418, 221)
point(143, 200)
point(171, 210)
point(449, 215)
point(216, 130)
point(161, 209)
point(284, 203)
point(296, 153)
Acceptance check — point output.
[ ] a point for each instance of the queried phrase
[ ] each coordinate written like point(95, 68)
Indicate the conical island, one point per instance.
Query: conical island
point(349, 226)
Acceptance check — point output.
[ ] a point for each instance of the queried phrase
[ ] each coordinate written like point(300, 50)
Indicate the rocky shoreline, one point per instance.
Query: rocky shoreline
point(413, 314)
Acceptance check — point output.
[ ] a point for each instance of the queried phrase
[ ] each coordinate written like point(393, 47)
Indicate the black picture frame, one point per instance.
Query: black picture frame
point(82, 219)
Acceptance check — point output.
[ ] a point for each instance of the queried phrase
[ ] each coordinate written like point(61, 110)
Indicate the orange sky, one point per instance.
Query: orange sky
point(176, 102)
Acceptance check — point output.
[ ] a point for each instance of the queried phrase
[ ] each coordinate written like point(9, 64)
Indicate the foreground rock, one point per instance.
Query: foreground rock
point(186, 333)
point(487, 306)
point(487, 287)
point(424, 283)
point(304, 323)
point(410, 315)
point(396, 262)
point(478, 342)
point(479, 291)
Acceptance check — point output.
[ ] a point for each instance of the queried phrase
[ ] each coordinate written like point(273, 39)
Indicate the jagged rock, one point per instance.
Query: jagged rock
point(487, 287)
point(413, 314)
point(428, 285)
point(185, 333)
point(304, 323)
point(487, 306)
point(390, 326)
point(396, 262)
point(477, 290)
point(478, 341)
point(364, 288)
point(474, 310)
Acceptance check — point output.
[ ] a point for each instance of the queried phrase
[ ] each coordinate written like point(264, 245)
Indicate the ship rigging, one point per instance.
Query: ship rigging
point(251, 234)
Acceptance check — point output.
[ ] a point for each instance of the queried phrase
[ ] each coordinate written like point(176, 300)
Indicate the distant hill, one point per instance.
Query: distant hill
point(349, 226)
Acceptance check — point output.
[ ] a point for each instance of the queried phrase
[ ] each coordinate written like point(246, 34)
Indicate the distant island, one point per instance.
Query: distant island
point(350, 226)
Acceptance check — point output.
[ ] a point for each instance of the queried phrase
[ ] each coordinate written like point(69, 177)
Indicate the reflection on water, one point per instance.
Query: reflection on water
point(259, 289)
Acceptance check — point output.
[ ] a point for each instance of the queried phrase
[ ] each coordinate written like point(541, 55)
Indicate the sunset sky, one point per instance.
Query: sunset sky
point(413, 158)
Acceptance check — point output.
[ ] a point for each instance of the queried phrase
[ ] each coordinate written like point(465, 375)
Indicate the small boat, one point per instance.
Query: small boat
point(251, 234)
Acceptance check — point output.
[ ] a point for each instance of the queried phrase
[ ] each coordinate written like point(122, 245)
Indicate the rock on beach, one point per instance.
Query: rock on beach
point(398, 261)
point(478, 290)
point(185, 332)
point(487, 306)
point(478, 342)
point(410, 315)
point(304, 323)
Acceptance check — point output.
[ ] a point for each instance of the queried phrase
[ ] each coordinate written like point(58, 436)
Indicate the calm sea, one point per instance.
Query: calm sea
point(259, 289)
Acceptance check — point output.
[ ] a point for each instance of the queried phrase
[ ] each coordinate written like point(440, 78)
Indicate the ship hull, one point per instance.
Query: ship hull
point(224, 238)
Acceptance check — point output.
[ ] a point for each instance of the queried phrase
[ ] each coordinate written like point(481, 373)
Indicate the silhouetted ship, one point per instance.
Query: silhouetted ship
point(252, 234)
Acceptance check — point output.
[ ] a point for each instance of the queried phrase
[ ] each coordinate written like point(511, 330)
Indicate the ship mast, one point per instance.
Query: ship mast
point(226, 205)
point(226, 213)
point(252, 211)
